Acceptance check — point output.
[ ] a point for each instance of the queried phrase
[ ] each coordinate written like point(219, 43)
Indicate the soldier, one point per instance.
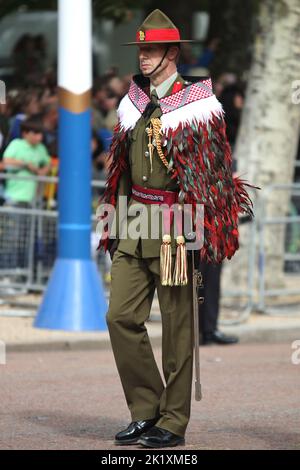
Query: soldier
point(169, 147)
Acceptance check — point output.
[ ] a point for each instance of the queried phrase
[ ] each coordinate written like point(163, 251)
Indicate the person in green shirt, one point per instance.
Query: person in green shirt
point(25, 157)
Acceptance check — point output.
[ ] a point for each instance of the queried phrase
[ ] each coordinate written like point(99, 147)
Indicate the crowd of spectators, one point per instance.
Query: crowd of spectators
point(29, 121)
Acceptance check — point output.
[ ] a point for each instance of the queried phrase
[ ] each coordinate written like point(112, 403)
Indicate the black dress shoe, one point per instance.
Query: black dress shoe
point(217, 337)
point(158, 437)
point(132, 433)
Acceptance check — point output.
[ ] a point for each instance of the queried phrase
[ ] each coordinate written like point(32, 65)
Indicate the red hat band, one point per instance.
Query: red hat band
point(158, 35)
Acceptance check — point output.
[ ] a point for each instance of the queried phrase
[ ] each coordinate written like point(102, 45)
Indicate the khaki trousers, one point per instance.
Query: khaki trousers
point(133, 283)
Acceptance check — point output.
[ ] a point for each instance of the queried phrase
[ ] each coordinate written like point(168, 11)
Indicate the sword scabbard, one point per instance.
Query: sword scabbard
point(197, 282)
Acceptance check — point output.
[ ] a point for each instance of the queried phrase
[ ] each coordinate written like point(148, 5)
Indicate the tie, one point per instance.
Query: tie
point(152, 105)
point(154, 97)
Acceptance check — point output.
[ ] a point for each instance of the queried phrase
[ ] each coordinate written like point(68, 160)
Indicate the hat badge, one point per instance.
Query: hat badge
point(142, 35)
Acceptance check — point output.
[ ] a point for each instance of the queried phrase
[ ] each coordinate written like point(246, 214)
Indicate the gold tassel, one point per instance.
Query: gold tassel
point(166, 261)
point(180, 277)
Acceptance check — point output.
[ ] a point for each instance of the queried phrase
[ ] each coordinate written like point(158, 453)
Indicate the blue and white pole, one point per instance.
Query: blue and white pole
point(74, 299)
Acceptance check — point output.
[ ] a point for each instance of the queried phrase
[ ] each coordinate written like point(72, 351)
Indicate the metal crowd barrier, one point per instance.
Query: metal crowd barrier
point(28, 239)
point(258, 294)
point(246, 304)
point(263, 222)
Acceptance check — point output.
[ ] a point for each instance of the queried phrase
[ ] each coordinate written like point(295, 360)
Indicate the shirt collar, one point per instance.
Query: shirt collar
point(162, 89)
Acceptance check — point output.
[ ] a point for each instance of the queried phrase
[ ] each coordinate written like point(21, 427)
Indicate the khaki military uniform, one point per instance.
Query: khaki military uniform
point(135, 275)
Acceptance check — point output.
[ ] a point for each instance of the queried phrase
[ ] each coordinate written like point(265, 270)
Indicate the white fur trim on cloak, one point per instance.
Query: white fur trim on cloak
point(199, 111)
point(128, 114)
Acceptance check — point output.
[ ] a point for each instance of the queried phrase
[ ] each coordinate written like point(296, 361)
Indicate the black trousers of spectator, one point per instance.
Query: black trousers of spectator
point(209, 310)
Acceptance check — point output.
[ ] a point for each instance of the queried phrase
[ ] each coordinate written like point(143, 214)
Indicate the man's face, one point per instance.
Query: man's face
point(149, 57)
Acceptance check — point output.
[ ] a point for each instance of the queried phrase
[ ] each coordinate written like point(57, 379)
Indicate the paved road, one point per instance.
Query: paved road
point(74, 400)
